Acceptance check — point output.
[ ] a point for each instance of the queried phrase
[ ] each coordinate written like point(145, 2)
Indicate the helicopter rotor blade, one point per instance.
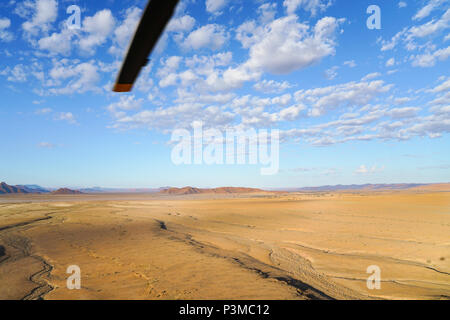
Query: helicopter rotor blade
point(156, 16)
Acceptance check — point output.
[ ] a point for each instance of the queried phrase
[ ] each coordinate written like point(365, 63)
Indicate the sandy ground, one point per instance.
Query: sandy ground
point(296, 246)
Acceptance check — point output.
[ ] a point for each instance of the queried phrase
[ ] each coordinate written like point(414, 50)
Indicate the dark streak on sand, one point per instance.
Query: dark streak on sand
point(303, 289)
point(22, 224)
point(3, 255)
point(162, 225)
point(251, 264)
point(44, 287)
point(23, 245)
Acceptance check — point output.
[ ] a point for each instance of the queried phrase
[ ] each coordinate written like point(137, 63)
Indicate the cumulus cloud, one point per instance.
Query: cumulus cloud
point(267, 12)
point(57, 43)
point(45, 13)
point(348, 94)
point(445, 86)
point(181, 24)
point(430, 27)
point(94, 32)
point(214, 6)
point(211, 36)
point(331, 73)
point(98, 28)
point(125, 30)
point(390, 62)
point(371, 76)
point(69, 77)
point(167, 71)
point(66, 116)
point(272, 86)
point(430, 59)
point(177, 116)
point(402, 113)
point(313, 6)
point(125, 103)
point(427, 9)
point(350, 63)
point(5, 35)
point(275, 48)
point(409, 35)
point(17, 74)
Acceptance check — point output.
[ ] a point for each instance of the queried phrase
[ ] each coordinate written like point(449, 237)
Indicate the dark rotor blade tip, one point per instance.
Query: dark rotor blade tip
point(123, 87)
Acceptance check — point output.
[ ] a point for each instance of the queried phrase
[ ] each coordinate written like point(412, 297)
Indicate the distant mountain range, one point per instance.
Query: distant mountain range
point(64, 191)
point(7, 189)
point(35, 189)
point(225, 190)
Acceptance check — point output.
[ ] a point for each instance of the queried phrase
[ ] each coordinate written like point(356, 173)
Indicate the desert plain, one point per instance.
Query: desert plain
point(258, 246)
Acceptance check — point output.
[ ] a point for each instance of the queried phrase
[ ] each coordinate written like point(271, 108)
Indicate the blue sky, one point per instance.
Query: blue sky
point(353, 105)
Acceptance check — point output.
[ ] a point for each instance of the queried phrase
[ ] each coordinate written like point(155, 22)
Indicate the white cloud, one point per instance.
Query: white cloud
point(348, 94)
point(276, 48)
point(124, 31)
point(433, 126)
point(291, 113)
point(312, 6)
point(331, 73)
point(427, 9)
point(442, 100)
point(21, 73)
point(169, 80)
point(58, 43)
point(363, 169)
point(390, 62)
point(185, 96)
point(181, 24)
point(252, 111)
point(45, 13)
point(95, 31)
point(16, 74)
point(272, 86)
point(211, 36)
point(126, 103)
point(178, 116)
point(43, 111)
point(402, 100)
point(66, 116)
point(445, 86)
point(371, 76)
point(430, 27)
point(214, 6)
point(350, 63)
point(430, 59)
point(82, 77)
point(98, 28)
point(205, 65)
point(5, 35)
point(267, 12)
point(402, 4)
point(204, 74)
point(402, 113)
point(409, 35)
